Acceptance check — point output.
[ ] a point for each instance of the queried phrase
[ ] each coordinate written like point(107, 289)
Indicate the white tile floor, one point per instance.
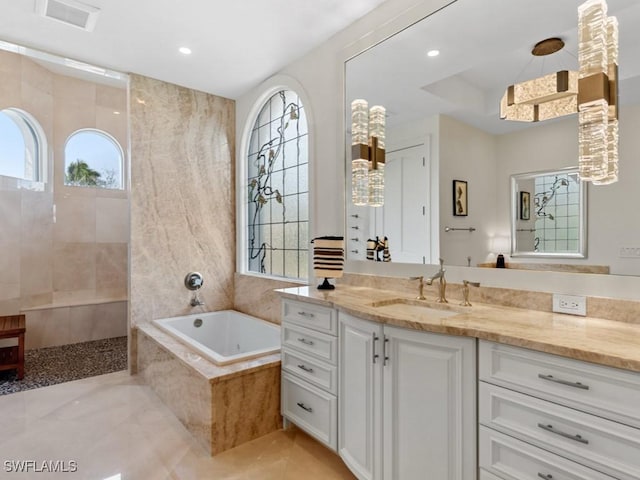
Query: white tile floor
point(113, 428)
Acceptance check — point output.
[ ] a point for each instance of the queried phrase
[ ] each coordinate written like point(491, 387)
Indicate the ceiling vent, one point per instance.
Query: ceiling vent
point(71, 12)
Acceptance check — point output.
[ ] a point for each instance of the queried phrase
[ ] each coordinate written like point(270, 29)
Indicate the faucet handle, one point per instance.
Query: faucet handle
point(441, 262)
point(465, 291)
point(420, 287)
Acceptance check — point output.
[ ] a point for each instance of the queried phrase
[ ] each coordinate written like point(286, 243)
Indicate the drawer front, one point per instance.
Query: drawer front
point(601, 444)
point(314, 371)
point(316, 344)
point(484, 475)
point(604, 391)
point(316, 317)
point(311, 409)
point(511, 459)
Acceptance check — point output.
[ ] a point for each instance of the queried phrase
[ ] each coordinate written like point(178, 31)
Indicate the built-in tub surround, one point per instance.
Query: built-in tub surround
point(222, 406)
point(608, 342)
point(224, 337)
point(182, 199)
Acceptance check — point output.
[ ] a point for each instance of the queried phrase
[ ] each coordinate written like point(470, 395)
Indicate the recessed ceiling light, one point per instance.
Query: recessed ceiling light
point(433, 53)
point(185, 50)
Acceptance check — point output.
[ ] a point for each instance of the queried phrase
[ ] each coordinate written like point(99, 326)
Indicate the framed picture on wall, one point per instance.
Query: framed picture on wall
point(525, 205)
point(460, 200)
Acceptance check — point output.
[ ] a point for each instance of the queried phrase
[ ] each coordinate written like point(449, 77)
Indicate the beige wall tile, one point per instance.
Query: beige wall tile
point(10, 72)
point(111, 267)
point(36, 266)
point(11, 217)
point(112, 220)
point(74, 266)
point(47, 328)
point(75, 219)
point(112, 97)
point(256, 296)
point(9, 267)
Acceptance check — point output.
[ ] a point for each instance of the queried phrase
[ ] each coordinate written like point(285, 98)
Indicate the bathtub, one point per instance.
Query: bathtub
point(224, 337)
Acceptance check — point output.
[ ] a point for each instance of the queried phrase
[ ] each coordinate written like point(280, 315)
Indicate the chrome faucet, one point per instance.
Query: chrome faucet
point(465, 291)
point(443, 283)
point(195, 300)
point(420, 287)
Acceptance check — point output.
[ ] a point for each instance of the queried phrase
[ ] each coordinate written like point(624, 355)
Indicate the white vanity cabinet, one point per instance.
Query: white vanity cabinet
point(309, 369)
point(544, 416)
point(407, 402)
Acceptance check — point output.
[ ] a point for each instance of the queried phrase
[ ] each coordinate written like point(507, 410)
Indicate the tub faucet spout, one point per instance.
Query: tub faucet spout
point(195, 301)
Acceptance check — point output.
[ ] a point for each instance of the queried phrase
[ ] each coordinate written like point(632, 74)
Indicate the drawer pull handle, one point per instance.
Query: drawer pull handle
point(304, 407)
point(551, 378)
point(305, 341)
point(305, 368)
point(546, 477)
point(305, 314)
point(575, 438)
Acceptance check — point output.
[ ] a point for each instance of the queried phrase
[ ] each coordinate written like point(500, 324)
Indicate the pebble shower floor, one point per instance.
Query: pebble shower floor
point(52, 365)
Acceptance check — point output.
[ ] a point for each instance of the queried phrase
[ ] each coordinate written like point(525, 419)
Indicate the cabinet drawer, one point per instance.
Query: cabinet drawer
point(318, 345)
point(484, 475)
point(314, 371)
point(601, 444)
point(604, 391)
point(311, 409)
point(309, 315)
point(512, 459)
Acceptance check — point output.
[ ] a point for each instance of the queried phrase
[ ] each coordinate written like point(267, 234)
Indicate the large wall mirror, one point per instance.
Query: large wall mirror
point(443, 131)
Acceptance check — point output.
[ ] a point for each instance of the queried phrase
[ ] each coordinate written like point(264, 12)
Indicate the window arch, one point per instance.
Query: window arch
point(93, 158)
point(23, 146)
point(277, 211)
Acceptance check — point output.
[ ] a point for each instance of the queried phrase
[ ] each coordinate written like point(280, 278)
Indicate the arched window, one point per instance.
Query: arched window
point(93, 158)
point(278, 189)
point(22, 146)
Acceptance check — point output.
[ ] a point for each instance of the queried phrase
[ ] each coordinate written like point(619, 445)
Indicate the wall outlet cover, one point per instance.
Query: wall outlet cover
point(571, 304)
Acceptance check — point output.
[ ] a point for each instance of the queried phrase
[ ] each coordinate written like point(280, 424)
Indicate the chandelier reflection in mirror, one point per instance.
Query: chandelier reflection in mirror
point(592, 92)
point(367, 154)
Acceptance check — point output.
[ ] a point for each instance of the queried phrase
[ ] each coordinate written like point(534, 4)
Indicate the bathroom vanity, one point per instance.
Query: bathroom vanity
point(556, 396)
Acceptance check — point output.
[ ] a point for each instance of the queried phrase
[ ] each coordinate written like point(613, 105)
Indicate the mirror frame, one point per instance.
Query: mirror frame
point(582, 227)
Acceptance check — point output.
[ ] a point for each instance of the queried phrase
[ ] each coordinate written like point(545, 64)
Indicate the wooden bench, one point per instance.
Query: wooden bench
point(13, 326)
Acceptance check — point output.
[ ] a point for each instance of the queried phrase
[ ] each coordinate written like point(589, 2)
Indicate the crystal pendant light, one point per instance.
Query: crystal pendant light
point(593, 109)
point(612, 124)
point(359, 165)
point(377, 145)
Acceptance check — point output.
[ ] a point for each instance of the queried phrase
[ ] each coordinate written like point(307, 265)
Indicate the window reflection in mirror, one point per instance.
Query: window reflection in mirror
point(548, 214)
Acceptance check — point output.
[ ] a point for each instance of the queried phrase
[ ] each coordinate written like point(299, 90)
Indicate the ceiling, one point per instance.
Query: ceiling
point(484, 47)
point(235, 44)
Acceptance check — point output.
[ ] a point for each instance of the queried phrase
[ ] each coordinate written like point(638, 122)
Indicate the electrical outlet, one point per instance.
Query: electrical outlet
point(629, 252)
point(571, 304)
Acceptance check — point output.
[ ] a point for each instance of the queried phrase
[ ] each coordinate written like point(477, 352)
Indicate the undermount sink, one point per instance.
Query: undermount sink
point(414, 306)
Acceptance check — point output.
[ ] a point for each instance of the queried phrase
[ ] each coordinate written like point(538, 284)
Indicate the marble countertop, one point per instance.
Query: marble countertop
point(606, 342)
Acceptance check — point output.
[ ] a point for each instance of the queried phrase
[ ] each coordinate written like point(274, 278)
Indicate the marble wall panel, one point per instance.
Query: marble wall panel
point(182, 198)
point(256, 296)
